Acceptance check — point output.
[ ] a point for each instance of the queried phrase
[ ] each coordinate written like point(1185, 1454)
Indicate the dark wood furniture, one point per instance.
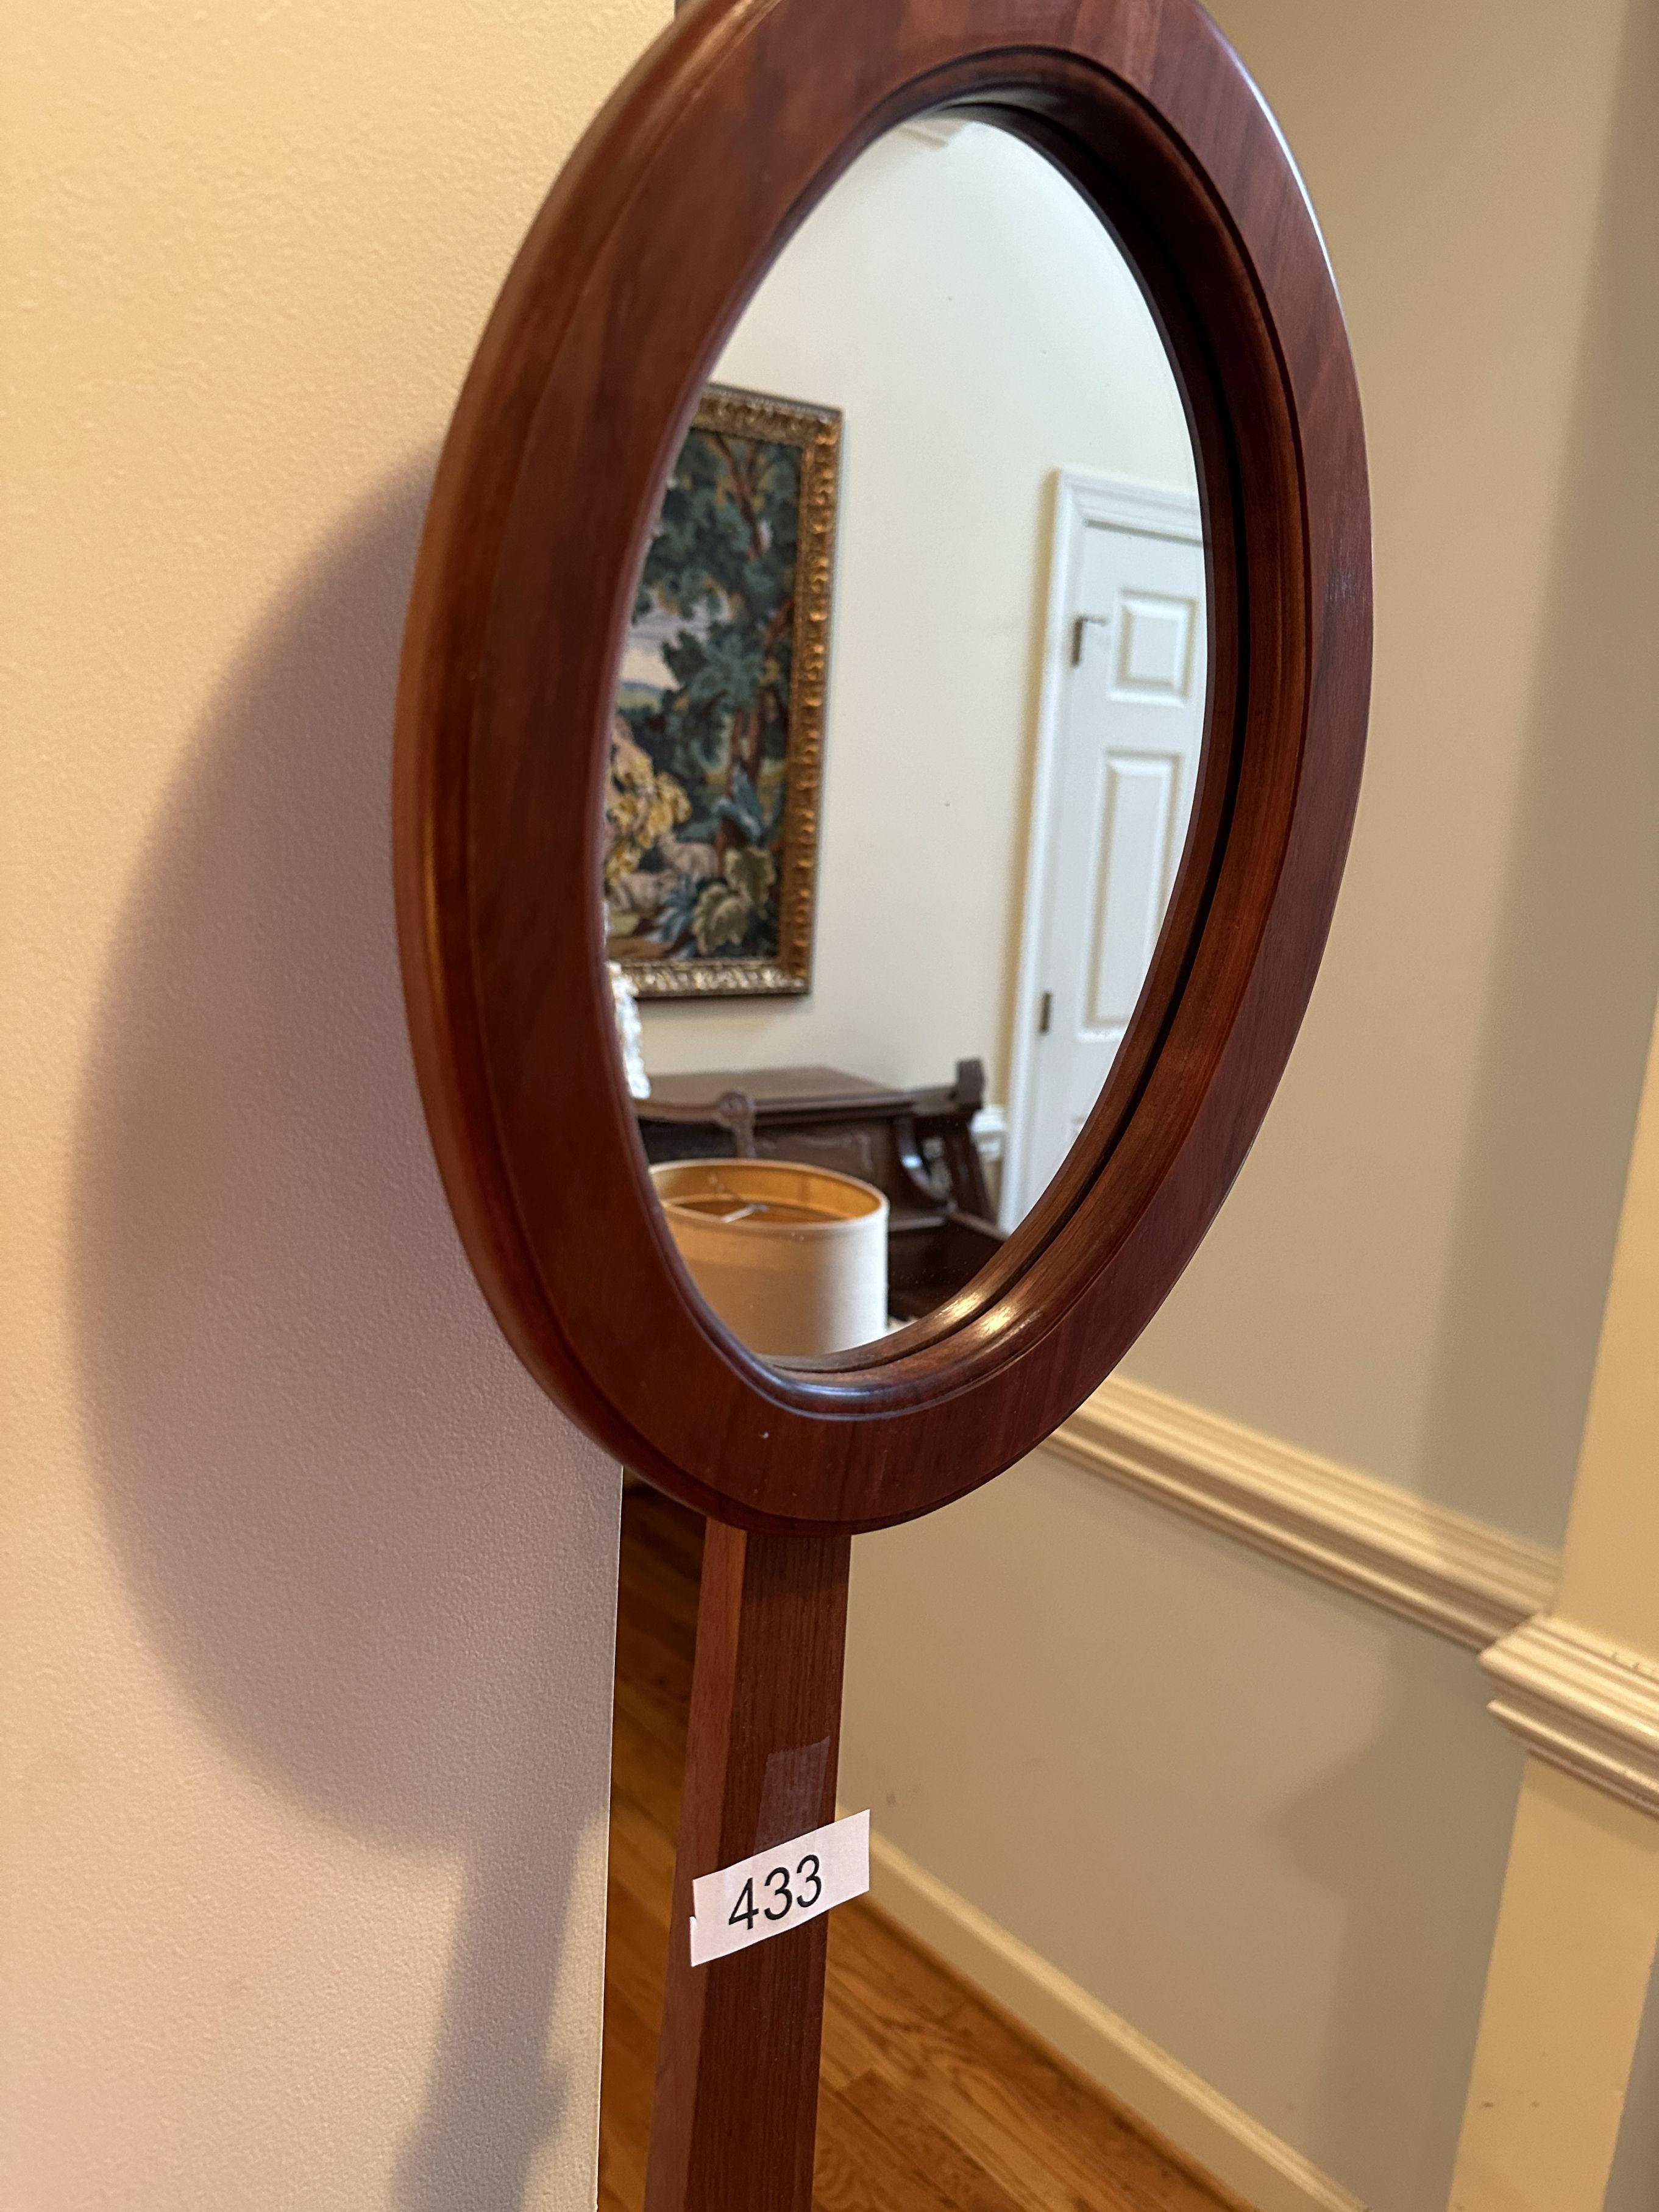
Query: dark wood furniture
point(697, 171)
point(915, 1147)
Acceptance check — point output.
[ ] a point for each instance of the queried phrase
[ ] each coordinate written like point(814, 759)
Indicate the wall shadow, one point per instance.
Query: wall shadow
point(378, 1562)
point(1570, 1006)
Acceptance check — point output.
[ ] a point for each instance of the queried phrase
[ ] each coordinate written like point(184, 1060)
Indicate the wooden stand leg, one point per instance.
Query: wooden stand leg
point(738, 2067)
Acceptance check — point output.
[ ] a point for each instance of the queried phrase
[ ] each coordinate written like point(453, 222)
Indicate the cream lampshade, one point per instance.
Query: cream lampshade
point(793, 1259)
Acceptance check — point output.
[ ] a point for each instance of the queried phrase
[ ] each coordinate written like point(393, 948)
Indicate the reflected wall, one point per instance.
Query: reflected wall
point(965, 347)
point(957, 412)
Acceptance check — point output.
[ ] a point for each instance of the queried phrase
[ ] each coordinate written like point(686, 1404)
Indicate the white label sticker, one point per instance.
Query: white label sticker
point(776, 1890)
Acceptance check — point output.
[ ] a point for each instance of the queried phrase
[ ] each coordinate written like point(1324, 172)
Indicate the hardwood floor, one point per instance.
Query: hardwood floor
point(932, 2100)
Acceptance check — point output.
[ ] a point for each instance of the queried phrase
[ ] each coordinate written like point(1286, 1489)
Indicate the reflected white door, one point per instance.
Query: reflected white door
point(1123, 727)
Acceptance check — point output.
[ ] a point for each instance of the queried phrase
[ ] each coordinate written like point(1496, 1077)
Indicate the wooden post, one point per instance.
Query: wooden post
point(736, 2105)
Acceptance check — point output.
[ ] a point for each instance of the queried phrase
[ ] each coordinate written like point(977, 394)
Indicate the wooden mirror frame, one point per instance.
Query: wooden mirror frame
point(649, 246)
point(679, 199)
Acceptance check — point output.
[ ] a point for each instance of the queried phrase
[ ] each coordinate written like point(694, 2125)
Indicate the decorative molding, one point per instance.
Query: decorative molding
point(1581, 1704)
point(1455, 1575)
point(1196, 2121)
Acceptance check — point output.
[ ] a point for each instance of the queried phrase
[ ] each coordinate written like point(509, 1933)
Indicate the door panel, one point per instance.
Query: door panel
point(1129, 862)
point(1128, 731)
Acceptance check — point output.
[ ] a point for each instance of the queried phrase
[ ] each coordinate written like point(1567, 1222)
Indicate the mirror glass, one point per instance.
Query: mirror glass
point(905, 740)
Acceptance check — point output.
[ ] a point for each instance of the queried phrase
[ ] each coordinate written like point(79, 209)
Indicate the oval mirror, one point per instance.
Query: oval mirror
point(881, 713)
point(881, 719)
point(906, 736)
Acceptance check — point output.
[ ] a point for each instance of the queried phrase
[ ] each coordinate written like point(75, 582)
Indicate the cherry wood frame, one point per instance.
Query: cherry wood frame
point(681, 195)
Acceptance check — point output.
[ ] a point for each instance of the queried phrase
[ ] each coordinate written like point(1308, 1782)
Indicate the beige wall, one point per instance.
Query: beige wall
point(1260, 1822)
point(963, 307)
point(1283, 1817)
point(308, 1594)
point(1409, 1275)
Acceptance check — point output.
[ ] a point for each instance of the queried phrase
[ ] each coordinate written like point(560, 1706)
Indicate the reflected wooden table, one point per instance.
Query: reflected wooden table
point(915, 1147)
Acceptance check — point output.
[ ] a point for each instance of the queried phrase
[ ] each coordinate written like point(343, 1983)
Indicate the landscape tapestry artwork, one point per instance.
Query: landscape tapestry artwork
point(716, 741)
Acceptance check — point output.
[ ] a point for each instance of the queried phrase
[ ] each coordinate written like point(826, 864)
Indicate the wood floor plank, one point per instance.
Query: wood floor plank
point(1079, 2129)
point(636, 1945)
point(1014, 2087)
point(912, 2144)
point(932, 2100)
point(893, 1976)
point(848, 2049)
point(627, 2081)
point(855, 2170)
point(643, 1773)
point(925, 2064)
point(641, 1856)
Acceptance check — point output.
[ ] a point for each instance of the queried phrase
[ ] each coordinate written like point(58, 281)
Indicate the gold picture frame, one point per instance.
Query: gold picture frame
point(713, 799)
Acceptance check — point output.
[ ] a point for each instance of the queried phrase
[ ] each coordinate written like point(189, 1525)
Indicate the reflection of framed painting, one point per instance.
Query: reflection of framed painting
point(716, 744)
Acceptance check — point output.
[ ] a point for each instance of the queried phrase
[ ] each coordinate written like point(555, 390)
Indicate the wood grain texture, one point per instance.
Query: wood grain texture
point(698, 171)
point(738, 2077)
point(930, 2100)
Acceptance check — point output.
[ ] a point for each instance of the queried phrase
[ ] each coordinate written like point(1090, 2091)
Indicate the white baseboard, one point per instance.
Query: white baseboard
point(1194, 2119)
point(1456, 1576)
